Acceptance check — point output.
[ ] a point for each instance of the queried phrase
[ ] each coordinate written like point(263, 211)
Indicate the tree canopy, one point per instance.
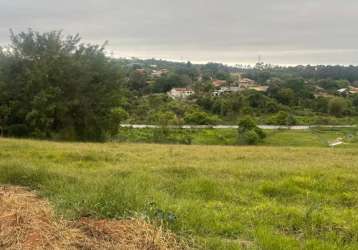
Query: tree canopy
point(53, 85)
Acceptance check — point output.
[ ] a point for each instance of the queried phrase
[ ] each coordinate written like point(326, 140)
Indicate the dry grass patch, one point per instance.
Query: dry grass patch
point(28, 222)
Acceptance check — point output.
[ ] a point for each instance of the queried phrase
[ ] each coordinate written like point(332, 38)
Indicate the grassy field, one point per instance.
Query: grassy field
point(319, 137)
point(219, 197)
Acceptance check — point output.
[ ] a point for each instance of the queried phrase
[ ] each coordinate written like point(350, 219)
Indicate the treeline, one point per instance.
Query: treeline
point(292, 96)
point(281, 106)
point(262, 72)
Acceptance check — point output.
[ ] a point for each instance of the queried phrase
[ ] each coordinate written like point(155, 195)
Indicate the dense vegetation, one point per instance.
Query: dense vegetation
point(297, 198)
point(50, 86)
point(315, 137)
point(53, 86)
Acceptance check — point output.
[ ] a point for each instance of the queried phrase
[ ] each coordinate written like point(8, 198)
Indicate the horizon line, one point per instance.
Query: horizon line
point(231, 64)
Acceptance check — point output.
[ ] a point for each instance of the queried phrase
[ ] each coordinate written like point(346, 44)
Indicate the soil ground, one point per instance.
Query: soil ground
point(28, 222)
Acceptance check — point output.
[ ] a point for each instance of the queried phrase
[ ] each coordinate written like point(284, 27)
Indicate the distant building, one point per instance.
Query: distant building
point(218, 83)
point(224, 90)
point(159, 73)
point(246, 83)
point(216, 93)
point(347, 91)
point(353, 90)
point(180, 93)
point(343, 91)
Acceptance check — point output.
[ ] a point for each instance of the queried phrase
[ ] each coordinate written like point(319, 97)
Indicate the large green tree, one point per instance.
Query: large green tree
point(53, 85)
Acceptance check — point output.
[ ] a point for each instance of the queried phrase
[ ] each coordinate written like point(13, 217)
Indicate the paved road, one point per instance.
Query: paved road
point(270, 127)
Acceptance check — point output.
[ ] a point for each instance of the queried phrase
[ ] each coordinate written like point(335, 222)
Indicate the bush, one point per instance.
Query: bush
point(247, 124)
point(249, 137)
point(337, 106)
point(185, 138)
point(283, 118)
point(260, 133)
point(117, 115)
point(200, 118)
point(249, 133)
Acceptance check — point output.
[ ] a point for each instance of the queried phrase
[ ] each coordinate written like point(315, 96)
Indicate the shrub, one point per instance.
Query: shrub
point(260, 133)
point(337, 106)
point(186, 138)
point(247, 124)
point(283, 118)
point(117, 115)
point(200, 118)
point(249, 133)
point(249, 137)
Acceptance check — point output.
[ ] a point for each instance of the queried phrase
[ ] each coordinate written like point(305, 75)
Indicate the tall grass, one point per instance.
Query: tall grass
point(222, 197)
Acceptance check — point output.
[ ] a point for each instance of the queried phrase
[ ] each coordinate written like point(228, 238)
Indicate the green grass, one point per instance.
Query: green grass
point(261, 197)
point(318, 137)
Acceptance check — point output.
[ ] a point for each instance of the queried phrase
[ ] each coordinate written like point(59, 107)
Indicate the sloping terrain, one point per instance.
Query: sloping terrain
point(28, 222)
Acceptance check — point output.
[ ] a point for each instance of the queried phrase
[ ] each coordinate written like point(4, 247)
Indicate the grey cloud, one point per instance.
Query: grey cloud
point(232, 31)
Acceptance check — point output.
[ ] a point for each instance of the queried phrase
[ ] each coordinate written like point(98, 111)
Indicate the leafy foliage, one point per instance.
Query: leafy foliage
point(337, 106)
point(56, 86)
point(249, 133)
point(283, 118)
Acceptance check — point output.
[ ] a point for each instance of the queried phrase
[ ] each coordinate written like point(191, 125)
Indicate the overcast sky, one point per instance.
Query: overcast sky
point(229, 31)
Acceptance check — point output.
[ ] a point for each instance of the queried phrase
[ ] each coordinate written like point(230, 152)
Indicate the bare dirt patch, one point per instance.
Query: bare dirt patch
point(28, 222)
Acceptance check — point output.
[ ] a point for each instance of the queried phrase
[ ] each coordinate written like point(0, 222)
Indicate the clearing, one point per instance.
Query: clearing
point(214, 197)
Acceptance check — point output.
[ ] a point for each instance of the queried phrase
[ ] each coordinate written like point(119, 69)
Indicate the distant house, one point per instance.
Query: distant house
point(224, 90)
point(218, 83)
point(180, 93)
point(246, 83)
point(347, 91)
point(353, 90)
point(159, 73)
point(343, 91)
